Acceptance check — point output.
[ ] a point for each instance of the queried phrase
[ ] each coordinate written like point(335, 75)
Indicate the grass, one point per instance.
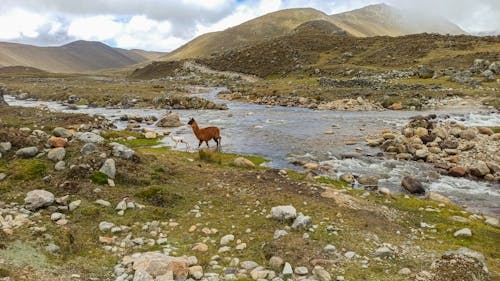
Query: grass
point(99, 178)
point(28, 169)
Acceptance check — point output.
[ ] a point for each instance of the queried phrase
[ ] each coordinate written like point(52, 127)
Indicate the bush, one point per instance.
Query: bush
point(99, 178)
point(159, 196)
point(210, 156)
point(28, 169)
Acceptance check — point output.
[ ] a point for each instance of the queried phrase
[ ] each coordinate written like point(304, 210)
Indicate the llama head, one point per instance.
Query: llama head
point(191, 121)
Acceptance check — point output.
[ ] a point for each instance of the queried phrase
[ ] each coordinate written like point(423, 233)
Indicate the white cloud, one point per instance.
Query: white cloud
point(166, 24)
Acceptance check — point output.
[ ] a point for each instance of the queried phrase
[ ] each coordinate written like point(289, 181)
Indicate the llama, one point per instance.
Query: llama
point(179, 139)
point(205, 134)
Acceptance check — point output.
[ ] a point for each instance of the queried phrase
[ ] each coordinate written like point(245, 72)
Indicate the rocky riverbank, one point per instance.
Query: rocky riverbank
point(93, 204)
point(453, 148)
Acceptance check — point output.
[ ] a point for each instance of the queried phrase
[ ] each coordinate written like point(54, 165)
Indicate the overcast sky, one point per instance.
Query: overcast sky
point(163, 25)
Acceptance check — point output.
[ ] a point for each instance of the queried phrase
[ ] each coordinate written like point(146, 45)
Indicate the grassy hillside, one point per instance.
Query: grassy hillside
point(78, 56)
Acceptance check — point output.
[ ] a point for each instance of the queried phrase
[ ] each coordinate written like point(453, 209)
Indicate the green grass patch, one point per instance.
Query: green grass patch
point(335, 182)
point(140, 142)
point(99, 178)
point(111, 134)
point(210, 156)
point(159, 196)
point(496, 130)
point(28, 169)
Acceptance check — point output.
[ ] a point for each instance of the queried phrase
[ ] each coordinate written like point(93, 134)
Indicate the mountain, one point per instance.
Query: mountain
point(373, 20)
point(382, 19)
point(78, 56)
point(264, 27)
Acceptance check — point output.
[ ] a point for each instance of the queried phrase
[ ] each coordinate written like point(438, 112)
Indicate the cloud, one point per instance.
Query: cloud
point(166, 24)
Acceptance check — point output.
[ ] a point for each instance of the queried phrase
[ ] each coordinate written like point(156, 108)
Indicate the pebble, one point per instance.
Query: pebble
point(383, 252)
point(287, 269)
point(75, 204)
point(226, 239)
point(301, 270)
point(105, 226)
point(56, 216)
point(404, 271)
point(103, 203)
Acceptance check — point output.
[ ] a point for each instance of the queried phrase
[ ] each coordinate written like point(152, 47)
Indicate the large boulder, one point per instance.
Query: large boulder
point(170, 120)
point(38, 198)
point(283, 213)
point(412, 185)
point(89, 137)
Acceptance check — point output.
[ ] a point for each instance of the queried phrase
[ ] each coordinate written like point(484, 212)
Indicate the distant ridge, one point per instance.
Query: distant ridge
point(372, 20)
point(77, 56)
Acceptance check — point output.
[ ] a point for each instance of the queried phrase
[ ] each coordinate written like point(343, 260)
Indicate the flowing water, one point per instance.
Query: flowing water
point(283, 134)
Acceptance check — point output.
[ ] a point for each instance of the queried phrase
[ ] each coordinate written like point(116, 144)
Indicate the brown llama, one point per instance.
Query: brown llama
point(205, 134)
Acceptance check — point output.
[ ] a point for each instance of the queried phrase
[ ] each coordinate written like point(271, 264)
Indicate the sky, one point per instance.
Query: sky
point(164, 25)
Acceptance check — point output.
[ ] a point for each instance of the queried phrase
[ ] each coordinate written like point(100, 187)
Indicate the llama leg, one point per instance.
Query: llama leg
point(207, 144)
point(200, 143)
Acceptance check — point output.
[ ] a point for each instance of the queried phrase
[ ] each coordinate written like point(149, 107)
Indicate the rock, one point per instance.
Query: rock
point(321, 274)
point(224, 249)
point(384, 252)
point(457, 171)
point(259, 274)
point(2, 176)
point(287, 269)
point(243, 162)
point(425, 72)
point(248, 265)
point(421, 132)
point(283, 213)
point(422, 153)
point(464, 232)
point(170, 120)
point(448, 144)
point(122, 205)
point(412, 185)
point(27, 152)
point(52, 248)
point(5, 146)
point(440, 132)
point(280, 233)
point(38, 198)
point(56, 216)
point(200, 247)
point(330, 249)
point(150, 135)
point(434, 196)
point(196, 272)
point(347, 177)
point(56, 154)
point(302, 222)
point(141, 275)
point(122, 151)
point(105, 226)
point(495, 67)
point(226, 239)
point(62, 133)
point(311, 166)
point(108, 168)
point(89, 137)
point(485, 131)
point(468, 134)
point(404, 271)
point(367, 180)
point(241, 246)
point(103, 203)
point(301, 270)
point(480, 169)
point(349, 254)
point(396, 106)
point(74, 205)
point(328, 132)
point(60, 165)
point(57, 142)
point(492, 221)
point(88, 148)
point(468, 253)
point(276, 262)
point(157, 264)
point(459, 219)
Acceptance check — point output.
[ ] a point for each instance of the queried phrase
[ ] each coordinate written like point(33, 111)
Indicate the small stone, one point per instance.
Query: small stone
point(62, 133)
point(287, 269)
point(412, 185)
point(89, 137)
point(464, 232)
point(279, 233)
point(457, 171)
point(383, 252)
point(196, 272)
point(330, 249)
point(103, 203)
point(276, 262)
point(75, 204)
point(52, 248)
point(226, 239)
point(57, 142)
point(321, 274)
point(243, 162)
point(105, 226)
point(59, 166)
point(27, 152)
point(62, 222)
point(224, 249)
point(248, 265)
point(492, 221)
point(200, 247)
point(348, 178)
point(349, 254)
point(241, 247)
point(108, 168)
point(404, 271)
point(88, 148)
point(56, 216)
point(301, 270)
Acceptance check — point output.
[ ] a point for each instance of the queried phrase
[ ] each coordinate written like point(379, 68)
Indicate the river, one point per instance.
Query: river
point(283, 134)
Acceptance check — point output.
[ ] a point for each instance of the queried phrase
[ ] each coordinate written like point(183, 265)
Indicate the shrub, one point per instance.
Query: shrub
point(99, 178)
